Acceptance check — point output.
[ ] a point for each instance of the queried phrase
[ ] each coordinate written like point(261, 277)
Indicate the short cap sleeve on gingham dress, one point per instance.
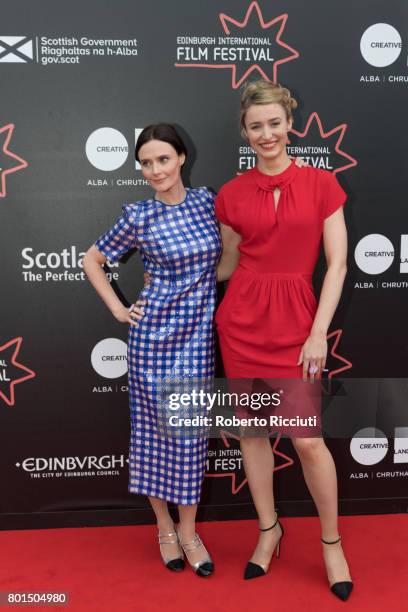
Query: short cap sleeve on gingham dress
point(122, 236)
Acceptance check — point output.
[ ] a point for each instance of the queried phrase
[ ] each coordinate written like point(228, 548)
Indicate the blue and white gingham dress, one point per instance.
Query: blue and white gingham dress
point(180, 246)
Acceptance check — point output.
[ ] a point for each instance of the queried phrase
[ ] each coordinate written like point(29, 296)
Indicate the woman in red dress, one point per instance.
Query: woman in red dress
point(273, 218)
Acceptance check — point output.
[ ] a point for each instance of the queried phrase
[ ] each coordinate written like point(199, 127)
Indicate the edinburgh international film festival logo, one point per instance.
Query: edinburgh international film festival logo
point(241, 45)
point(320, 147)
point(12, 371)
point(9, 161)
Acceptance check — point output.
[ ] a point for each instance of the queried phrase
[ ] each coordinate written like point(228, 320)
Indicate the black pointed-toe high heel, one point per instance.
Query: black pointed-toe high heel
point(342, 589)
point(255, 570)
point(177, 564)
point(204, 567)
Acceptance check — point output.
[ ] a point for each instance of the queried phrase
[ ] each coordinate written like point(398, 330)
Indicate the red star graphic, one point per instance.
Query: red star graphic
point(225, 19)
point(236, 488)
point(254, 6)
point(21, 163)
point(341, 131)
point(337, 334)
point(29, 373)
point(333, 340)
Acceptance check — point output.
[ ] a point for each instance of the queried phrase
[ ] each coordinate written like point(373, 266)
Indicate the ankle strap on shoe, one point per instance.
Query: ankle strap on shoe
point(275, 523)
point(192, 544)
point(167, 538)
point(334, 541)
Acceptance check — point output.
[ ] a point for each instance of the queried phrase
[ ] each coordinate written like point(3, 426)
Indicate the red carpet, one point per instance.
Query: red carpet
point(118, 568)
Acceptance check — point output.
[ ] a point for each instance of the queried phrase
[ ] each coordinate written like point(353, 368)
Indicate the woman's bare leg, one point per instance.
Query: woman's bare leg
point(320, 475)
point(259, 464)
point(187, 529)
point(165, 525)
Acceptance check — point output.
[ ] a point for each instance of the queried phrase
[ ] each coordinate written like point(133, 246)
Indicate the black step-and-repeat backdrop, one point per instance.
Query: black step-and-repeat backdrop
point(79, 81)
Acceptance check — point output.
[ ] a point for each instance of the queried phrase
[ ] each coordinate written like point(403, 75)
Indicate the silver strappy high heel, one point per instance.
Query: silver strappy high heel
point(177, 564)
point(204, 567)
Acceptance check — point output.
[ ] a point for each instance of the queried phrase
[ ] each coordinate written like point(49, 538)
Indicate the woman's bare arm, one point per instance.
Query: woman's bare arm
point(230, 253)
point(92, 264)
point(226, 265)
point(335, 248)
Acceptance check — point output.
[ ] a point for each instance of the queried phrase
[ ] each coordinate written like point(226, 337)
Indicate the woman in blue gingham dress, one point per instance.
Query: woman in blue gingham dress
point(180, 245)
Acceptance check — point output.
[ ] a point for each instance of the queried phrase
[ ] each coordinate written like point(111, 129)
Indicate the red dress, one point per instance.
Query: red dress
point(269, 306)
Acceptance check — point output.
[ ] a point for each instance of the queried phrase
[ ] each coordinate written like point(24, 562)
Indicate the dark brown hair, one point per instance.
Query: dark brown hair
point(164, 132)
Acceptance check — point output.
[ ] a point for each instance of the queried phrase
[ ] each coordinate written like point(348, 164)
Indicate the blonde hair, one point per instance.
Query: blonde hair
point(264, 92)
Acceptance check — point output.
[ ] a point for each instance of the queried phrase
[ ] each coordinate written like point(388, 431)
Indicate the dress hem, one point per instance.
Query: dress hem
point(139, 491)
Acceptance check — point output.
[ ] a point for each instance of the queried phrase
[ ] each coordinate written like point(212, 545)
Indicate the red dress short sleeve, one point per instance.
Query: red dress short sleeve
point(333, 196)
point(269, 306)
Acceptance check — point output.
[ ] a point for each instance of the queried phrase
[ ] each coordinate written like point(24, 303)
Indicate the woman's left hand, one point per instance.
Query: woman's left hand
point(299, 161)
point(313, 356)
point(136, 311)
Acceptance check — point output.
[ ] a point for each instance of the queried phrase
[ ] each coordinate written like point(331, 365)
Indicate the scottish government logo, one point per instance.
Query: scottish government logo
point(16, 49)
point(64, 50)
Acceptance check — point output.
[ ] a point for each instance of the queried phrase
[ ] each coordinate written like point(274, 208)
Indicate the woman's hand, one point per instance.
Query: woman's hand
point(147, 279)
point(313, 356)
point(136, 312)
point(130, 315)
point(299, 161)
